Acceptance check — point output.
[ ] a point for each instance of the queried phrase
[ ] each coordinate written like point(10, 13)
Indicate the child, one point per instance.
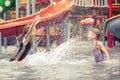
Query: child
point(21, 47)
point(98, 48)
point(25, 41)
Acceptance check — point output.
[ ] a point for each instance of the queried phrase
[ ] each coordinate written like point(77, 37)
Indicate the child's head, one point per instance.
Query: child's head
point(93, 33)
point(25, 30)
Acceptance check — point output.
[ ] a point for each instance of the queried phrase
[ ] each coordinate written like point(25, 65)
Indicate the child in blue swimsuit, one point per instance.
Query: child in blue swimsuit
point(98, 50)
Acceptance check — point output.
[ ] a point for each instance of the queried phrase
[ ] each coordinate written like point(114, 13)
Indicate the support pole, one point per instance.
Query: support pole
point(28, 7)
point(103, 38)
point(33, 6)
point(102, 5)
point(110, 37)
point(106, 3)
point(59, 34)
point(5, 42)
point(94, 3)
point(48, 38)
point(17, 8)
point(5, 39)
point(33, 11)
point(68, 29)
point(80, 2)
point(98, 1)
point(67, 25)
point(34, 43)
point(17, 14)
point(95, 13)
point(65, 30)
point(0, 43)
point(5, 16)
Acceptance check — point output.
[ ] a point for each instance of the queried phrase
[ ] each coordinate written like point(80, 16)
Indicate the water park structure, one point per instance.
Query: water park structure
point(57, 46)
point(56, 13)
point(98, 10)
point(51, 15)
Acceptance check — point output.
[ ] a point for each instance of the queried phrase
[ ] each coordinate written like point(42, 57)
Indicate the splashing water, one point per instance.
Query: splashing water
point(71, 60)
point(65, 53)
point(53, 56)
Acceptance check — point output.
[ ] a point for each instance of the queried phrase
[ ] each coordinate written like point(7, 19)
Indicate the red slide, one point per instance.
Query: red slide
point(54, 13)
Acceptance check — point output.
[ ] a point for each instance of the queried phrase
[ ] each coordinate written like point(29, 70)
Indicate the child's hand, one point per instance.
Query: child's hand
point(16, 59)
point(37, 20)
point(16, 38)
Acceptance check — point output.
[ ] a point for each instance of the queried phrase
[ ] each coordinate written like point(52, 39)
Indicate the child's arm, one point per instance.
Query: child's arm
point(102, 47)
point(31, 27)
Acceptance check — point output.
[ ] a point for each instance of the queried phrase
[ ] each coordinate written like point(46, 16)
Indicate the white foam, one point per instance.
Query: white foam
point(113, 61)
point(51, 57)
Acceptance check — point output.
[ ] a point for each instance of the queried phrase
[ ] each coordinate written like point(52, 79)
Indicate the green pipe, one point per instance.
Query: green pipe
point(6, 5)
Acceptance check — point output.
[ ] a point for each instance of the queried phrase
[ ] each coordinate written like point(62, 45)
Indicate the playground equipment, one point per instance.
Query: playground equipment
point(91, 3)
point(95, 6)
point(88, 13)
point(113, 25)
point(53, 13)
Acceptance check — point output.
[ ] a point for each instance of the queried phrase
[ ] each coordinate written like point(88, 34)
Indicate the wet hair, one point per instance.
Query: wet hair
point(96, 31)
point(26, 27)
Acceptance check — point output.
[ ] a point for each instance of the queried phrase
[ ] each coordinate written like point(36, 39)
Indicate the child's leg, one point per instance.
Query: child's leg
point(24, 51)
point(14, 57)
point(21, 52)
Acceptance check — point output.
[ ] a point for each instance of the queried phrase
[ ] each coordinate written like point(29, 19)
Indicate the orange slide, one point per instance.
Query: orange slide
point(54, 13)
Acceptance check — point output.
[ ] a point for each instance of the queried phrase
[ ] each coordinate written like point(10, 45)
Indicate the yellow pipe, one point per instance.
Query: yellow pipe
point(23, 1)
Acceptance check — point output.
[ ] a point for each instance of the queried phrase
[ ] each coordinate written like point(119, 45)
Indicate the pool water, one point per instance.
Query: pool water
point(71, 60)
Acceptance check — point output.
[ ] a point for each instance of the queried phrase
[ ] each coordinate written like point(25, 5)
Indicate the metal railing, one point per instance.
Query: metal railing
point(91, 3)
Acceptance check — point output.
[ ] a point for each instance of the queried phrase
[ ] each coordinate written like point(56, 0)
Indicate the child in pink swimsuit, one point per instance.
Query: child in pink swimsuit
point(98, 50)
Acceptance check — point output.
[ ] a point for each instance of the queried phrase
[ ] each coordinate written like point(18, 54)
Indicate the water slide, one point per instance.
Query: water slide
point(113, 25)
point(54, 13)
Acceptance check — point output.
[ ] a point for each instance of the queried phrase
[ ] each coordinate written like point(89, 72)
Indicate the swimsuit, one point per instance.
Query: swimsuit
point(23, 50)
point(98, 54)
